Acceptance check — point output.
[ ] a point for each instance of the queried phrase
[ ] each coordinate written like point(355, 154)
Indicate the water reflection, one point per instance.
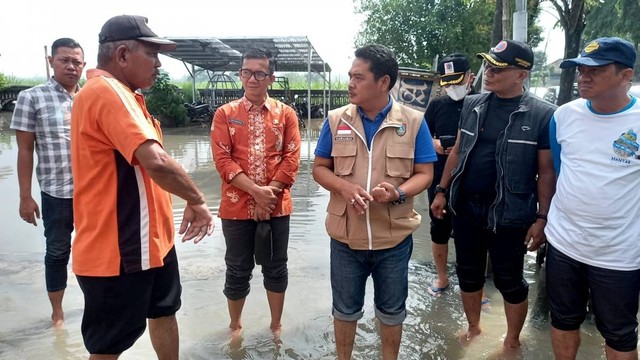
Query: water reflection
point(429, 333)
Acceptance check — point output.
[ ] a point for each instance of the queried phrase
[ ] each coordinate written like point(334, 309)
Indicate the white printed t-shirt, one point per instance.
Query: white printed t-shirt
point(595, 214)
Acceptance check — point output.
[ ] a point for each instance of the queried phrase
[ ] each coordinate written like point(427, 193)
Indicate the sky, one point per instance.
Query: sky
point(27, 26)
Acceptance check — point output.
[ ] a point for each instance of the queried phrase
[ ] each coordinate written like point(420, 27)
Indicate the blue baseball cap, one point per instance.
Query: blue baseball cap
point(604, 51)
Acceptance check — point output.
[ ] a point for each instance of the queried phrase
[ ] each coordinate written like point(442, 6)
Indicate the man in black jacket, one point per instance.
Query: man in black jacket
point(501, 179)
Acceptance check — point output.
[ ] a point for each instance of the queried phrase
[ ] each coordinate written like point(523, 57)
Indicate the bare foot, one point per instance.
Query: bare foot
point(277, 331)
point(508, 353)
point(235, 343)
point(236, 333)
point(467, 336)
point(511, 344)
point(57, 322)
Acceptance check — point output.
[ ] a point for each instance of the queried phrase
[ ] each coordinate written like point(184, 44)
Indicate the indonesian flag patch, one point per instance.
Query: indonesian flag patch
point(344, 129)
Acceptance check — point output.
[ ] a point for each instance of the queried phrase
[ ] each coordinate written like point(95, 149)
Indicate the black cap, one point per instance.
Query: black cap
point(509, 53)
point(604, 51)
point(452, 69)
point(132, 27)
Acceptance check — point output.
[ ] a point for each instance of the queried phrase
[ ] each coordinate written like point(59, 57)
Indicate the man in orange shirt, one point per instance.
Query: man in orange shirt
point(256, 148)
point(123, 253)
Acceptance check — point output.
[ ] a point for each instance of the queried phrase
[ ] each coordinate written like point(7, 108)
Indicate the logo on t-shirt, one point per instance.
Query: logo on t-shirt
point(626, 146)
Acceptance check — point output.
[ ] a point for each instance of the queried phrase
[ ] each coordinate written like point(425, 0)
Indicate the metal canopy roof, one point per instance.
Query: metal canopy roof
point(225, 54)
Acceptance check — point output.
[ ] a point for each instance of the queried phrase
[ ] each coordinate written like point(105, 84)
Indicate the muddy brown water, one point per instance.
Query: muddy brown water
point(430, 331)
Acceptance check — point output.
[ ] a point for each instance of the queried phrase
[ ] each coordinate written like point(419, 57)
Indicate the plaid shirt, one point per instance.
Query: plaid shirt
point(46, 111)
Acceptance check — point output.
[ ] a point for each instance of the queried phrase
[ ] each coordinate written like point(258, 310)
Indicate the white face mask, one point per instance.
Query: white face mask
point(457, 92)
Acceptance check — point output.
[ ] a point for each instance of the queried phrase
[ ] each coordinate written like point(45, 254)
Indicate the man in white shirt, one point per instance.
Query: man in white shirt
point(593, 222)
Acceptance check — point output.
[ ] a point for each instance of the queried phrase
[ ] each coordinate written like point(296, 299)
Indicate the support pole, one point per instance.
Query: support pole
point(46, 62)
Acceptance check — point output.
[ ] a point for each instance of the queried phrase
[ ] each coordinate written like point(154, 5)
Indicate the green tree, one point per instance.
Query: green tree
point(614, 18)
point(166, 102)
point(541, 72)
point(419, 30)
point(3, 81)
point(573, 19)
point(618, 17)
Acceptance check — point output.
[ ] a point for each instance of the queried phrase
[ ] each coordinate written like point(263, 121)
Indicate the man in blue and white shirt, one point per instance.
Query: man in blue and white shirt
point(42, 120)
point(593, 224)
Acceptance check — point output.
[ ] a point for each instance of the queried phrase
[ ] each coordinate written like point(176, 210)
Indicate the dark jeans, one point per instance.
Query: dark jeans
point(614, 296)
point(57, 218)
point(239, 236)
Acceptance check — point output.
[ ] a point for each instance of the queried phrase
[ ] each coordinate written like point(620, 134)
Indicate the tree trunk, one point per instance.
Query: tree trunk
point(496, 33)
point(506, 19)
point(572, 20)
point(568, 76)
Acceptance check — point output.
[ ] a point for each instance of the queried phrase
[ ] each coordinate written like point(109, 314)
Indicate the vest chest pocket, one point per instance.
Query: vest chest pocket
point(399, 161)
point(344, 157)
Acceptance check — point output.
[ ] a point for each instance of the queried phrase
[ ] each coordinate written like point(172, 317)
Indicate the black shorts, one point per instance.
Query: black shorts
point(117, 307)
point(239, 236)
point(439, 229)
point(505, 247)
point(614, 298)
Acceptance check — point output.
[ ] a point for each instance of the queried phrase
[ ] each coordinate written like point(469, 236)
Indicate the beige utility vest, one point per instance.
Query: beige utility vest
point(390, 160)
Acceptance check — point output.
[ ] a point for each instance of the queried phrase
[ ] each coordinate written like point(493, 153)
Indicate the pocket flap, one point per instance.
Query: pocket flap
point(400, 151)
point(344, 149)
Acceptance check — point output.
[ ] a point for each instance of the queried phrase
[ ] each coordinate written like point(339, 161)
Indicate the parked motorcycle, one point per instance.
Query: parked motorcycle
point(200, 111)
point(299, 115)
point(317, 111)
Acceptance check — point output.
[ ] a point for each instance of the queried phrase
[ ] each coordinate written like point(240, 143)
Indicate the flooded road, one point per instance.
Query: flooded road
point(430, 331)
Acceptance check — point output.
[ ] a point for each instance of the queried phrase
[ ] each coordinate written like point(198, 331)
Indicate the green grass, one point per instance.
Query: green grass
point(11, 80)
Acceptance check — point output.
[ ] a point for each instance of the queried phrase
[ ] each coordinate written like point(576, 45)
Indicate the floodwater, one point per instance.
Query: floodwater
point(430, 331)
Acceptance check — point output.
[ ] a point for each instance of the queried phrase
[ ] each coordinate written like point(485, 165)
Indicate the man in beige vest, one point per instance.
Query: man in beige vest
point(374, 155)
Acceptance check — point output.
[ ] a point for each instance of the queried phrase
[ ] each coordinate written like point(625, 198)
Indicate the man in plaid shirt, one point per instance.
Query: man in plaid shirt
point(42, 119)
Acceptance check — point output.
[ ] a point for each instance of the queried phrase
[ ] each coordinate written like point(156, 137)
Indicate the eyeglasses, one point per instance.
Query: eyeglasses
point(496, 70)
point(259, 75)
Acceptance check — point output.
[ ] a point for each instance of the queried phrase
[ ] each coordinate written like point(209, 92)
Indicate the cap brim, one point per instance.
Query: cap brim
point(493, 60)
point(165, 45)
point(452, 79)
point(585, 61)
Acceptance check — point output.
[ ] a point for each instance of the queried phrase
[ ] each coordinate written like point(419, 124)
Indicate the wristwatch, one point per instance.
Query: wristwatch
point(401, 197)
point(439, 189)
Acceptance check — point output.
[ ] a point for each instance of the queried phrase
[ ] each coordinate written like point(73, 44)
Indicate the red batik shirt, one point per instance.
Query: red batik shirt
point(261, 141)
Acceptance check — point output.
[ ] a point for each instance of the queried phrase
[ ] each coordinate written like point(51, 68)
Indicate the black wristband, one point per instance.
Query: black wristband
point(439, 189)
point(541, 216)
point(401, 197)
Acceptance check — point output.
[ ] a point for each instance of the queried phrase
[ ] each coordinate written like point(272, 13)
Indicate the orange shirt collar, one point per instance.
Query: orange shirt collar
point(268, 103)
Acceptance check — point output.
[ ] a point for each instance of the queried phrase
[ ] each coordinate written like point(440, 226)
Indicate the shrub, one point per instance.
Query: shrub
point(166, 102)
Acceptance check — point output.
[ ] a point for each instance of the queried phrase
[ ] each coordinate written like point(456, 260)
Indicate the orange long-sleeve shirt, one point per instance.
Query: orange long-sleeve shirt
point(261, 141)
